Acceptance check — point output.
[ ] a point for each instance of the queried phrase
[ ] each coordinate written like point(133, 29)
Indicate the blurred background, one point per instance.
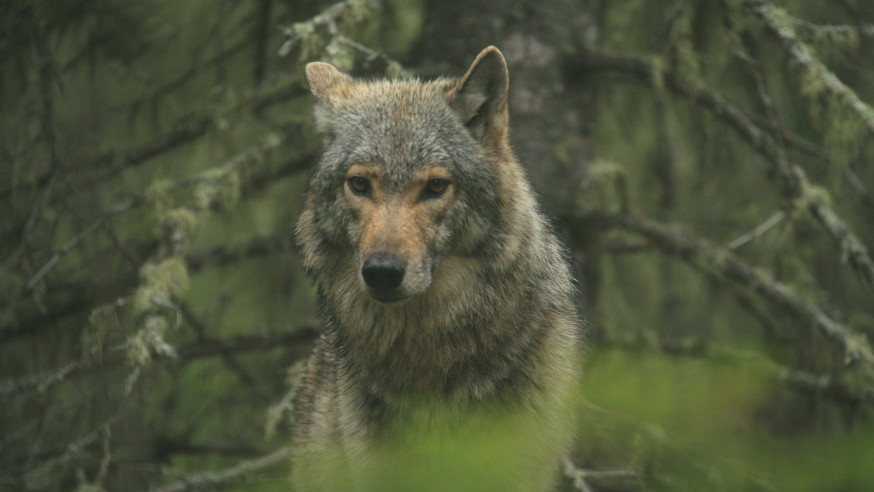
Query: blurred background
point(708, 162)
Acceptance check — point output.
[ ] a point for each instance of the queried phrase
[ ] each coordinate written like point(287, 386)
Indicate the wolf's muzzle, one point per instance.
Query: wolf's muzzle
point(383, 272)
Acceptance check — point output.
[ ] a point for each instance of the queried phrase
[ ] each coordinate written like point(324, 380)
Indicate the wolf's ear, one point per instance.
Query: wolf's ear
point(480, 96)
point(326, 81)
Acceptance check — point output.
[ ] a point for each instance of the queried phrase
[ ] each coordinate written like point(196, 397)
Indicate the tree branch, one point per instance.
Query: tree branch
point(199, 349)
point(723, 265)
point(252, 154)
point(814, 68)
point(234, 474)
point(790, 179)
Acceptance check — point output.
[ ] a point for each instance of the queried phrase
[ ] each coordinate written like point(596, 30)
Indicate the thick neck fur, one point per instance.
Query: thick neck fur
point(454, 339)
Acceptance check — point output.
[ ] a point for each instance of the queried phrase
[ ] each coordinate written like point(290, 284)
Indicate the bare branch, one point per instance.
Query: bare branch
point(254, 247)
point(167, 446)
point(758, 230)
point(73, 450)
point(72, 243)
point(43, 381)
point(234, 474)
point(579, 475)
point(107, 457)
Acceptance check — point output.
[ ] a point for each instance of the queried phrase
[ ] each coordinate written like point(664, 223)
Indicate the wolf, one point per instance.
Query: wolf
point(451, 347)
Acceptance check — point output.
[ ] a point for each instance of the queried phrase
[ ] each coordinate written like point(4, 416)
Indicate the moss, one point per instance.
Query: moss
point(340, 55)
point(219, 188)
point(181, 222)
point(103, 321)
point(362, 10)
point(163, 281)
point(607, 188)
point(159, 195)
point(138, 353)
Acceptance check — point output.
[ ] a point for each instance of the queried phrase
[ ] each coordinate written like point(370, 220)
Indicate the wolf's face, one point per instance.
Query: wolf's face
point(397, 227)
point(407, 177)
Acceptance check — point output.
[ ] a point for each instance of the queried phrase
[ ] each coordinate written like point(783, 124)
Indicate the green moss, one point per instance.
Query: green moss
point(159, 195)
point(218, 188)
point(181, 222)
point(103, 321)
point(160, 282)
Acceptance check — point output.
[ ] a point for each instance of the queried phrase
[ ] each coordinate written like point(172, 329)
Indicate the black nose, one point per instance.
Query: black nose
point(383, 271)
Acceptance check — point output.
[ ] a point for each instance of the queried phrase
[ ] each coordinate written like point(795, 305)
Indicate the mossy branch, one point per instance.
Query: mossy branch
point(723, 265)
point(789, 178)
point(232, 165)
point(813, 68)
point(187, 129)
point(185, 352)
point(337, 49)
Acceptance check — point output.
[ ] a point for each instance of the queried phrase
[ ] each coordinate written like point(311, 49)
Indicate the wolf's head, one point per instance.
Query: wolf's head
point(410, 175)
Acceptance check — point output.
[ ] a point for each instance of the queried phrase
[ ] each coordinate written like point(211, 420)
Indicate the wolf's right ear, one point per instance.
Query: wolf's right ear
point(326, 81)
point(480, 96)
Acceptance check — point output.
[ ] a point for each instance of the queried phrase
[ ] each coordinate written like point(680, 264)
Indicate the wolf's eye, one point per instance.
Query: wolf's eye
point(359, 185)
point(435, 187)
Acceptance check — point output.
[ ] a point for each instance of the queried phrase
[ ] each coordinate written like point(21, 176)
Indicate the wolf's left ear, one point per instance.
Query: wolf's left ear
point(326, 81)
point(480, 96)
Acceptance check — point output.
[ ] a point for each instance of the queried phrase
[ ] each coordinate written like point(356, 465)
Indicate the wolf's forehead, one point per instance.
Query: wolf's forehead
point(402, 128)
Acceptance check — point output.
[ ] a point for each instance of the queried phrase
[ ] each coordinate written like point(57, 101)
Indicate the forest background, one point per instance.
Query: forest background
point(708, 162)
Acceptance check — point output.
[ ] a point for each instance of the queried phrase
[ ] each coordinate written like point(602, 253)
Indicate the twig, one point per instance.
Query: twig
point(73, 449)
point(227, 357)
point(13, 387)
point(229, 475)
point(166, 446)
point(106, 459)
point(254, 247)
point(46, 75)
point(758, 230)
point(72, 243)
point(579, 475)
point(834, 30)
point(327, 18)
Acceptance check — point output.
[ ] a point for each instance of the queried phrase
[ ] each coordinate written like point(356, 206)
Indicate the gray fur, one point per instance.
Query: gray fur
point(467, 383)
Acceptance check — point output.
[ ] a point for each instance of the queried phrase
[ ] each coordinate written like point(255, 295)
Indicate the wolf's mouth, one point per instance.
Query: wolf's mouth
point(387, 297)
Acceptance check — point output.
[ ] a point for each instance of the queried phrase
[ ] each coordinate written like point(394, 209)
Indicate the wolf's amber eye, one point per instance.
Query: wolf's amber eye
point(359, 185)
point(435, 188)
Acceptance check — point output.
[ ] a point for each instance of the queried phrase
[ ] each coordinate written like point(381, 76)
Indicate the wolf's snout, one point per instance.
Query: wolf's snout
point(383, 272)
